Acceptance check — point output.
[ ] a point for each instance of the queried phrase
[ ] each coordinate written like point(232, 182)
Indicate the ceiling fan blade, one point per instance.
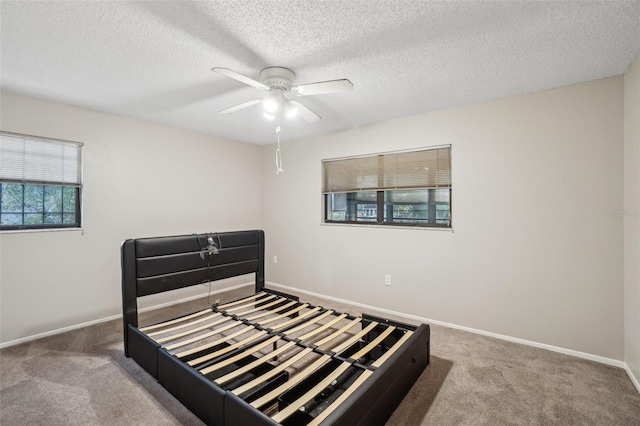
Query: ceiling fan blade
point(240, 106)
point(304, 112)
point(241, 78)
point(323, 87)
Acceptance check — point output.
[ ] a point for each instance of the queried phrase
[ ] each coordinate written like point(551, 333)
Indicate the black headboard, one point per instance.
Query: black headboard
point(155, 265)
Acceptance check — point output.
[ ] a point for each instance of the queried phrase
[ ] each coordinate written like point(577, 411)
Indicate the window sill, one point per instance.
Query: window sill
point(21, 231)
point(421, 228)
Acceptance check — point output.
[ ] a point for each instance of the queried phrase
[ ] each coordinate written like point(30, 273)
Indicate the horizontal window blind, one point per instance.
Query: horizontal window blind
point(428, 168)
point(28, 159)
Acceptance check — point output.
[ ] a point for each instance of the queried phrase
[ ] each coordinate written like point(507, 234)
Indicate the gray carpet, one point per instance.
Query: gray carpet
point(83, 378)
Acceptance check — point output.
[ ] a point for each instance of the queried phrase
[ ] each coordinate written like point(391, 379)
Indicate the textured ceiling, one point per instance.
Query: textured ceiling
point(153, 60)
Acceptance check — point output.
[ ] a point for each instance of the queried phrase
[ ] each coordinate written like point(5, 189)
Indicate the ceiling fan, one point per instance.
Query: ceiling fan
point(277, 81)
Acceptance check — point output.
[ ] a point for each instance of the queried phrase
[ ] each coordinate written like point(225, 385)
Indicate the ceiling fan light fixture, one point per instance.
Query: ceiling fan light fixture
point(274, 100)
point(290, 110)
point(270, 104)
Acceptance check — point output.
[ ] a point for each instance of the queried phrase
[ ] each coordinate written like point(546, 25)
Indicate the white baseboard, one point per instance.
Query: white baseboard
point(633, 378)
point(584, 355)
point(113, 317)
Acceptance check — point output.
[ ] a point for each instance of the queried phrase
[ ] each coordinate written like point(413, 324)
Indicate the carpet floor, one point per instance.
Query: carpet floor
point(83, 378)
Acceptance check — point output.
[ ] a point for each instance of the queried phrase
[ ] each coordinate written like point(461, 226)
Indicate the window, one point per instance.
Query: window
point(408, 188)
point(40, 182)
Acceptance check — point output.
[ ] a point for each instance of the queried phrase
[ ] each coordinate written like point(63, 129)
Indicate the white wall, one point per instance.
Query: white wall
point(140, 179)
point(631, 214)
point(534, 254)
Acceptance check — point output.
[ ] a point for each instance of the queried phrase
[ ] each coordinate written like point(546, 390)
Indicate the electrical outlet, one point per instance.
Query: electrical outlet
point(275, 259)
point(387, 279)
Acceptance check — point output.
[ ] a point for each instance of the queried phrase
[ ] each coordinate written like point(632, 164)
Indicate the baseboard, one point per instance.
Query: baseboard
point(114, 317)
point(584, 355)
point(632, 377)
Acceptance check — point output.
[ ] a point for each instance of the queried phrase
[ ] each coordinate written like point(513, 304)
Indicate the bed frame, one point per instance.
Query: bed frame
point(340, 369)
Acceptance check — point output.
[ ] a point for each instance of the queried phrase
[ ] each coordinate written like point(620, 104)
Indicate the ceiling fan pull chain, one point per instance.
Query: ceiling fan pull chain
point(278, 155)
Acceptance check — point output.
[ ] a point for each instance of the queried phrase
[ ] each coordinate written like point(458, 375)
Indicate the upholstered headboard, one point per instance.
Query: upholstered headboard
point(156, 265)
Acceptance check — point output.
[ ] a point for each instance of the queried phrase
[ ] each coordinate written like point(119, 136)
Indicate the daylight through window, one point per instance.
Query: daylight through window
point(407, 188)
point(40, 182)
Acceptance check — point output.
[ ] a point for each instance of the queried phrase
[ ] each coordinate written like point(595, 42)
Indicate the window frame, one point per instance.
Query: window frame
point(78, 192)
point(380, 198)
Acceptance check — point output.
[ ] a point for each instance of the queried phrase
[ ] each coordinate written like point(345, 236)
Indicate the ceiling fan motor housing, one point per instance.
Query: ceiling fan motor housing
point(277, 77)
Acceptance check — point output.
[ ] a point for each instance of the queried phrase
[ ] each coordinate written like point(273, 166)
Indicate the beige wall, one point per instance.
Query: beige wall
point(632, 217)
point(140, 179)
point(534, 254)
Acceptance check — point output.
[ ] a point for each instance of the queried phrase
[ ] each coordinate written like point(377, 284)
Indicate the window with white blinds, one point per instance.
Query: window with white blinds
point(397, 188)
point(40, 182)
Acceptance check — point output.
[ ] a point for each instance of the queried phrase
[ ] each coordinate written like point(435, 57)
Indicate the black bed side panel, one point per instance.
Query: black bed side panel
point(375, 401)
point(239, 413)
point(143, 350)
point(191, 388)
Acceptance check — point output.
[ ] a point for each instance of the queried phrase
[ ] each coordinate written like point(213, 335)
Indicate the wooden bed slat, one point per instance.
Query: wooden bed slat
point(178, 327)
point(244, 354)
point(296, 319)
point(194, 330)
point(337, 333)
point(264, 358)
point(286, 314)
point(309, 395)
point(272, 311)
point(202, 336)
point(335, 404)
point(274, 372)
point(259, 308)
point(394, 348)
point(321, 329)
point(217, 342)
point(362, 352)
point(355, 338)
point(227, 349)
point(174, 321)
point(239, 301)
point(251, 304)
point(291, 382)
point(308, 323)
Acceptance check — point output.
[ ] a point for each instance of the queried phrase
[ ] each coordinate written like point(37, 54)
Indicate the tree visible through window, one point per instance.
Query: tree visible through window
point(40, 183)
point(38, 205)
